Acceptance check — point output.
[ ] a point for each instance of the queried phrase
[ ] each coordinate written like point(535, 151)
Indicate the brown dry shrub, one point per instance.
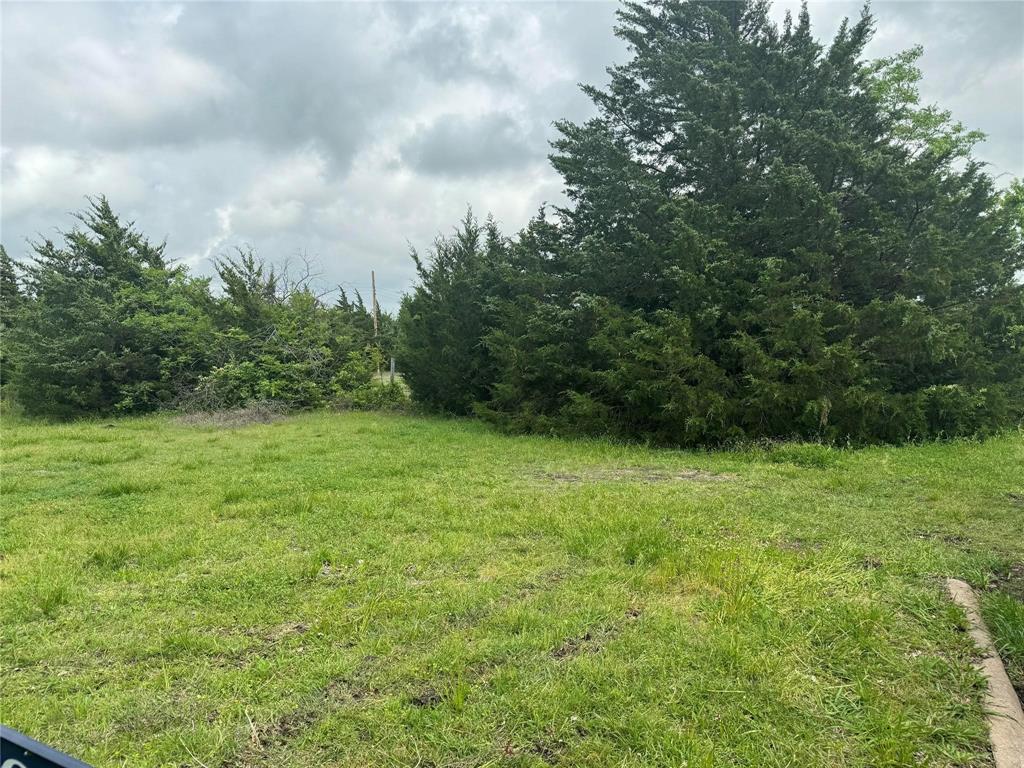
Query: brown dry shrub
point(256, 412)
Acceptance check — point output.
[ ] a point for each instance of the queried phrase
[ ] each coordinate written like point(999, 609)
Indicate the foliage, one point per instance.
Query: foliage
point(767, 238)
point(11, 301)
point(356, 384)
point(105, 325)
point(442, 323)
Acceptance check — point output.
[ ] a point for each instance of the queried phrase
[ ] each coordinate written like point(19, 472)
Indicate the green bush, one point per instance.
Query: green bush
point(237, 384)
point(103, 325)
point(442, 323)
point(357, 386)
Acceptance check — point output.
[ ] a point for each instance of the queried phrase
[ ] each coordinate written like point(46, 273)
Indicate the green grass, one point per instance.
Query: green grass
point(359, 589)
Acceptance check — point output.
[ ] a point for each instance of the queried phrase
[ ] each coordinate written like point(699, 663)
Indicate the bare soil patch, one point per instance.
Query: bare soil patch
point(284, 630)
point(428, 697)
point(1010, 581)
point(796, 545)
point(275, 735)
point(594, 640)
point(951, 539)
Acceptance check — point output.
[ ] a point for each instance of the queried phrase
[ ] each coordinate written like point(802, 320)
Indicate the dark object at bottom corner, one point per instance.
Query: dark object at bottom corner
point(19, 751)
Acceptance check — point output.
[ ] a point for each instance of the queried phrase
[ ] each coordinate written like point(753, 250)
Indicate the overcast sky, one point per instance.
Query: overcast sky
point(347, 130)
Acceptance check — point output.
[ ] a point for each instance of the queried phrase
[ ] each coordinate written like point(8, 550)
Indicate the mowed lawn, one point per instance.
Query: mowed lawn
point(362, 590)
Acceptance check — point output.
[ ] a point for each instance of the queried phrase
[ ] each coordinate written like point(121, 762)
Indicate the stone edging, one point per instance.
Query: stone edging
point(1005, 716)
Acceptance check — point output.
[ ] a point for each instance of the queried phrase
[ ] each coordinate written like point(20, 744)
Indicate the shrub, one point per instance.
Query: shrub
point(356, 385)
point(105, 325)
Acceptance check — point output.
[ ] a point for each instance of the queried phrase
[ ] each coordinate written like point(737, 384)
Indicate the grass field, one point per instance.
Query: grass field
point(359, 590)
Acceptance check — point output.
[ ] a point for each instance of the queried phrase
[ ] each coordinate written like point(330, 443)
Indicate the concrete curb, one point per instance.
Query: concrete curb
point(1005, 716)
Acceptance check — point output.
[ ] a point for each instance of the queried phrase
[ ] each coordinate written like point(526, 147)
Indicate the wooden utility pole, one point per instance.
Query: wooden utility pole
point(376, 322)
point(373, 288)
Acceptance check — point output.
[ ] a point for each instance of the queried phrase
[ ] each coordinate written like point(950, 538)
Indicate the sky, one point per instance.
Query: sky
point(346, 132)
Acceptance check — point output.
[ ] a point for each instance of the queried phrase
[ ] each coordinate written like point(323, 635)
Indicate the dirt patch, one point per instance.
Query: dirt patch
point(1010, 580)
point(428, 697)
point(636, 475)
point(284, 630)
point(344, 691)
point(266, 738)
point(278, 732)
point(256, 413)
point(952, 539)
point(594, 640)
point(550, 746)
point(550, 751)
point(574, 646)
point(591, 641)
point(266, 643)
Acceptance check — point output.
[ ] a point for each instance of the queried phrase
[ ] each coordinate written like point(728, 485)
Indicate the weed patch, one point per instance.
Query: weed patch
point(111, 558)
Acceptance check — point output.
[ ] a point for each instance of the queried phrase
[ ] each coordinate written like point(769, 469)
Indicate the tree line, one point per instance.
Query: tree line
point(102, 324)
point(765, 237)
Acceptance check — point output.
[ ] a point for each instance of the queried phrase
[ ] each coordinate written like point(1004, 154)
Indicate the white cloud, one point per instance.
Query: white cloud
point(40, 176)
point(294, 127)
point(136, 87)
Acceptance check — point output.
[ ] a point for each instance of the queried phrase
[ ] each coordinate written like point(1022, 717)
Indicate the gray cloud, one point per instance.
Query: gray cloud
point(973, 62)
point(346, 130)
point(460, 145)
point(452, 45)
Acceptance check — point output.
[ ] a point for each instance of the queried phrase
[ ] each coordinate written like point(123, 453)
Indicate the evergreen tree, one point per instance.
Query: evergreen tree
point(442, 324)
point(10, 291)
point(108, 326)
point(11, 301)
point(766, 237)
